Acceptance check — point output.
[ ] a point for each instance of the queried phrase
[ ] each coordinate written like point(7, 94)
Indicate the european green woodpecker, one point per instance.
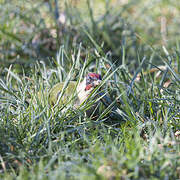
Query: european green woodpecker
point(83, 91)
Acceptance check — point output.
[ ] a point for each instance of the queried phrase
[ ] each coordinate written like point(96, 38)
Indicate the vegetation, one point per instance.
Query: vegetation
point(134, 45)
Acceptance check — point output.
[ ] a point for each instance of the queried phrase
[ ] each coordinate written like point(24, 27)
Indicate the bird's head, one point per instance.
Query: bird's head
point(92, 81)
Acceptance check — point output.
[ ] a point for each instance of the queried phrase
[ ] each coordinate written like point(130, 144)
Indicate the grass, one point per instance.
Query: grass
point(51, 143)
point(38, 141)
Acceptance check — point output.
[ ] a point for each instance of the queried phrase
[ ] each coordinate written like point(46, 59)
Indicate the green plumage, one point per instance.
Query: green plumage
point(56, 90)
point(69, 92)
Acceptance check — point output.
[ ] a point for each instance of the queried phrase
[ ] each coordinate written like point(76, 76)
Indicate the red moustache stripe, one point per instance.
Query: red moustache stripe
point(89, 86)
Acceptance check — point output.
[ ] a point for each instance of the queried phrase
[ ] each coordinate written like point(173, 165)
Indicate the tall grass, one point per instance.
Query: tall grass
point(38, 141)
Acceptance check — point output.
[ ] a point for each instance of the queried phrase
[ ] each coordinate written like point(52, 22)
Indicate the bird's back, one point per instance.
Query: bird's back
point(57, 89)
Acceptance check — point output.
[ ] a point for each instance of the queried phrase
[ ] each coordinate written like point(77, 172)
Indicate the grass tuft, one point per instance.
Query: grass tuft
point(140, 66)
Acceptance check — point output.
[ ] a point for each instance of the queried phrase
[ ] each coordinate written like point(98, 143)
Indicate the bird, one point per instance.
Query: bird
point(83, 91)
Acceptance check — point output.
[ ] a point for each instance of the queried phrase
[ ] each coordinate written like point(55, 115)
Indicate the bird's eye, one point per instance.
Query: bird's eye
point(90, 79)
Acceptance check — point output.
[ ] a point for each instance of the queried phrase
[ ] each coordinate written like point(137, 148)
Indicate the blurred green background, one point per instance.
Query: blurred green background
point(34, 30)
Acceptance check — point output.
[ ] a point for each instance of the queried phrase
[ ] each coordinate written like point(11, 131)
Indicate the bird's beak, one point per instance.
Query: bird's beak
point(97, 83)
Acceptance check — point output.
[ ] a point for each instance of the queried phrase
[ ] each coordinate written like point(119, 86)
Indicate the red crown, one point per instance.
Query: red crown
point(98, 76)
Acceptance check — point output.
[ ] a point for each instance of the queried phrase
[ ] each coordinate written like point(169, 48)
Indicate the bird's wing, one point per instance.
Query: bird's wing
point(115, 112)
